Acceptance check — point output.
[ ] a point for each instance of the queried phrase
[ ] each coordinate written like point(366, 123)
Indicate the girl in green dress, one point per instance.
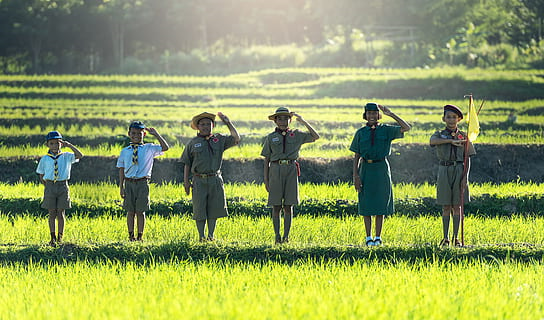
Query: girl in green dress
point(371, 174)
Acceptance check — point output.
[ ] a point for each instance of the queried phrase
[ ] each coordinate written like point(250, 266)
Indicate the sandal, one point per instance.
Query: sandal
point(445, 242)
point(458, 243)
point(285, 239)
point(378, 242)
point(370, 243)
point(278, 239)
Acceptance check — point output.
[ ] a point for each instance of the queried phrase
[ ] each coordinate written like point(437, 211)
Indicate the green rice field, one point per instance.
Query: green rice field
point(325, 271)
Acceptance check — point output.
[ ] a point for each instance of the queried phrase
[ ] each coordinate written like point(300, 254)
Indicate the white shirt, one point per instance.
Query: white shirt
point(146, 153)
point(46, 166)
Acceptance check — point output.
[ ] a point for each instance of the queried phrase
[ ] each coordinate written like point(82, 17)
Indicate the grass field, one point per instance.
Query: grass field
point(326, 271)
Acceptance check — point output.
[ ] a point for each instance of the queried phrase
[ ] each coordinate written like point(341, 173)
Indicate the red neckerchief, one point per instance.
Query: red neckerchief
point(284, 135)
point(372, 132)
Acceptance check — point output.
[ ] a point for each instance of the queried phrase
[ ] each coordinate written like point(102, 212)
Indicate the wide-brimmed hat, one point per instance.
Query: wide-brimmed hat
point(53, 135)
point(451, 107)
point(198, 117)
point(281, 111)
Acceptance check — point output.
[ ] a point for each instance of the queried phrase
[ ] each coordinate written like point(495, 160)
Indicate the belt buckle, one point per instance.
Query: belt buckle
point(370, 161)
point(283, 161)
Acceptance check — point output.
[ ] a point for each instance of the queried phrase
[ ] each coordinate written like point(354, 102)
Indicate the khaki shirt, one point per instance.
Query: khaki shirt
point(449, 152)
point(294, 139)
point(205, 155)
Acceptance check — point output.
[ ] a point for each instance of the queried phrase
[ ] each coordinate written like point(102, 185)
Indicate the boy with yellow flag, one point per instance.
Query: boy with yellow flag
point(453, 149)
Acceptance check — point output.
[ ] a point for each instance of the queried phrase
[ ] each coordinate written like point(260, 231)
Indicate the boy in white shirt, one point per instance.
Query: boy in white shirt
point(135, 165)
point(54, 170)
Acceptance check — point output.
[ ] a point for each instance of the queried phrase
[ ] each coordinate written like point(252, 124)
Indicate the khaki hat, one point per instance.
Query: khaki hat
point(198, 117)
point(280, 112)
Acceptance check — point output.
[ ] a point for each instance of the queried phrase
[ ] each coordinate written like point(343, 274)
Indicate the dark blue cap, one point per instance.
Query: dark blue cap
point(371, 106)
point(136, 124)
point(53, 135)
point(455, 109)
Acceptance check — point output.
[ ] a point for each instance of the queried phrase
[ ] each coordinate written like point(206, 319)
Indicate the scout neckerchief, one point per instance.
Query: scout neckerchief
point(207, 137)
point(372, 132)
point(453, 134)
point(284, 135)
point(135, 146)
point(56, 164)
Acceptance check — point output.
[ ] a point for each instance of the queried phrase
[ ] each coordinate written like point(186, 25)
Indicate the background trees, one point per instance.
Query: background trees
point(161, 36)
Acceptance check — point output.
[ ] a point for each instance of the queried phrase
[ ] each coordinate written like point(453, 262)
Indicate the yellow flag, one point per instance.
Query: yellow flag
point(472, 121)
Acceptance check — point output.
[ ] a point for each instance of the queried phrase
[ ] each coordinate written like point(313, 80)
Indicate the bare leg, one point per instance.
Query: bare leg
point(379, 225)
point(52, 217)
point(130, 225)
point(368, 225)
point(141, 224)
point(287, 220)
point(200, 226)
point(211, 228)
point(61, 217)
point(456, 222)
point(276, 222)
point(446, 213)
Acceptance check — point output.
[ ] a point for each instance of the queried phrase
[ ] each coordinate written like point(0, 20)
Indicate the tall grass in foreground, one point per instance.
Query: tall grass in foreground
point(108, 192)
point(305, 290)
point(243, 230)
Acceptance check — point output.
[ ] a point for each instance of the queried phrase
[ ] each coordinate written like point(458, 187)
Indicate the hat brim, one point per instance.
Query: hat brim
point(273, 116)
point(201, 116)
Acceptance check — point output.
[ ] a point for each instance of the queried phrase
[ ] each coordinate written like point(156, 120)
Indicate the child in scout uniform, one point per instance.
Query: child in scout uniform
point(202, 157)
point(281, 170)
point(54, 170)
point(371, 173)
point(135, 165)
point(450, 150)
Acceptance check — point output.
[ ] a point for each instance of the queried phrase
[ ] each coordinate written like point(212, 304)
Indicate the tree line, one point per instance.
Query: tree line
point(93, 36)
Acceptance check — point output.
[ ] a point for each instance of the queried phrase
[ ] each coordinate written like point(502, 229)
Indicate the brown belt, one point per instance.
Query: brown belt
point(284, 161)
point(372, 161)
point(206, 175)
point(448, 163)
point(136, 180)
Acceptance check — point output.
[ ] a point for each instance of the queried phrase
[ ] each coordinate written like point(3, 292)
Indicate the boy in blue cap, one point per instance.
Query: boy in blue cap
point(450, 150)
point(371, 173)
point(54, 170)
point(135, 165)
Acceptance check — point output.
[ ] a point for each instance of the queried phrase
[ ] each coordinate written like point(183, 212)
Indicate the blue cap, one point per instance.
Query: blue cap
point(136, 124)
point(53, 135)
point(371, 106)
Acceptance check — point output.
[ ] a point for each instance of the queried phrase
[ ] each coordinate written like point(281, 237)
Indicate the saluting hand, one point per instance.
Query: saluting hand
point(298, 117)
point(385, 110)
point(223, 117)
point(152, 131)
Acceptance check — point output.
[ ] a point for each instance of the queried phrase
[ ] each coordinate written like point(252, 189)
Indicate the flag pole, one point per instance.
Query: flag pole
point(462, 186)
point(466, 160)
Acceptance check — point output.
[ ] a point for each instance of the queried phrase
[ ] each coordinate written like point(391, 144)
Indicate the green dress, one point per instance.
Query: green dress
point(376, 196)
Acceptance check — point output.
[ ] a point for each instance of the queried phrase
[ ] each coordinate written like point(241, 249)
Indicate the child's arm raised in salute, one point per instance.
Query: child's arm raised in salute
point(162, 142)
point(312, 131)
point(77, 152)
point(232, 129)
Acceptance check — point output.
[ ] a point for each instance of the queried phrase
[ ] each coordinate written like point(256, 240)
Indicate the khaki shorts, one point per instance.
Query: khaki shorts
point(136, 195)
point(448, 190)
point(283, 184)
point(56, 195)
point(209, 198)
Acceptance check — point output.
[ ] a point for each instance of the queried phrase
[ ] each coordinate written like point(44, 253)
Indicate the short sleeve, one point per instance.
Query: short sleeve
point(266, 152)
point(355, 146)
point(229, 142)
point(186, 155)
point(41, 166)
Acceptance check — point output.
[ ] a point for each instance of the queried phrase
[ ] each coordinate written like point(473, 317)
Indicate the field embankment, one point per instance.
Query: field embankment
point(410, 163)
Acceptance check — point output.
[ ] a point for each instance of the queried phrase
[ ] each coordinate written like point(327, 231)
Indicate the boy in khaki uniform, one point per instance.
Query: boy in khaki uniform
point(202, 158)
point(135, 164)
point(281, 170)
point(54, 170)
point(450, 150)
